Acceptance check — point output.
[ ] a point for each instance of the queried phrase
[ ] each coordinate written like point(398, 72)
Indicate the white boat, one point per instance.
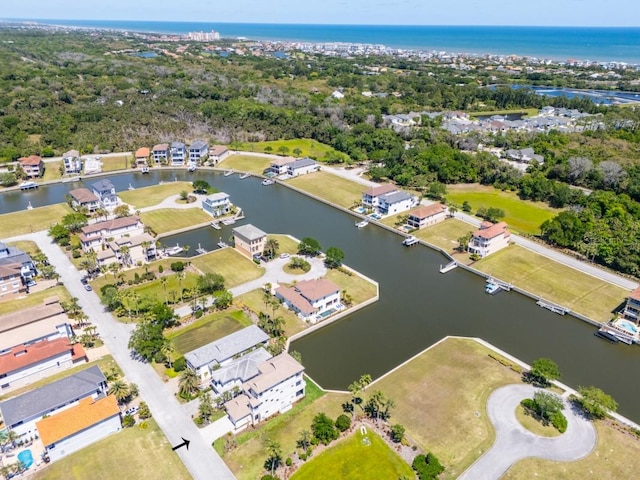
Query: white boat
point(492, 288)
point(268, 181)
point(216, 225)
point(131, 187)
point(222, 244)
point(173, 250)
point(362, 224)
point(29, 207)
point(145, 169)
point(28, 185)
point(228, 173)
point(244, 175)
point(410, 240)
point(192, 167)
point(228, 221)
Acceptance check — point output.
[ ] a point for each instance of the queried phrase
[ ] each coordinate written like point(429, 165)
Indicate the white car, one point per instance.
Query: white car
point(284, 255)
point(131, 411)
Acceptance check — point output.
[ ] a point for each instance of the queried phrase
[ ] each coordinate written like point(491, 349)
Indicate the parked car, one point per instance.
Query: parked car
point(284, 255)
point(87, 287)
point(31, 283)
point(131, 411)
point(84, 280)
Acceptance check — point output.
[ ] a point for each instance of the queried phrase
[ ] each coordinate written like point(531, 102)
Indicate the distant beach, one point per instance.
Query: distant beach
point(601, 44)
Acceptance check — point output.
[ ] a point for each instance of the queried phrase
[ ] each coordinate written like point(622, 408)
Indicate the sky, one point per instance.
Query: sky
point(367, 12)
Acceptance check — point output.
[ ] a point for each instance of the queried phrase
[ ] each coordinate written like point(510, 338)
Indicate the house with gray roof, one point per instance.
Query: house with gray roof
point(249, 240)
point(238, 371)
point(302, 166)
point(198, 151)
point(178, 153)
point(210, 357)
point(15, 257)
point(21, 413)
point(106, 193)
point(395, 202)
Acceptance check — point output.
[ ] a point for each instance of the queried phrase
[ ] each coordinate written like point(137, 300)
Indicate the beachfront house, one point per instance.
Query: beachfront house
point(160, 153)
point(632, 307)
point(208, 358)
point(278, 385)
point(311, 300)
point(33, 166)
point(217, 204)
point(218, 153)
point(178, 153)
point(94, 236)
point(426, 215)
point(371, 197)
point(198, 151)
point(72, 162)
point(106, 193)
point(84, 199)
point(302, 166)
point(79, 426)
point(249, 240)
point(489, 239)
point(393, 203)
point(12, 257)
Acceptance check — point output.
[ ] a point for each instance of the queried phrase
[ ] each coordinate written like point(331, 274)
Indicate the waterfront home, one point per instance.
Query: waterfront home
point(489, 239)
point(33, 166)
point(83, 424)
point(10, 256)
point(217, 204)
point(46, 321)
point(395, 202)
point(279, 166)
point(371, 197)
point(198, 151)
point(210, 357)
point(311, 300)
point(21, 413)
point(275, 389)
point(94, 236)
point(10, 279)
point(302, 166)
point(92, 165)
point(238, 371)
point(218, 153)
point(72, 162)
point(23, 364)
point(106, 193)
point(178, 153)
point(160, 153)
point(426, 215)
point(249, 240)
point(142, 157)
point(632, 307)
point(83, 198)
point(132, 250)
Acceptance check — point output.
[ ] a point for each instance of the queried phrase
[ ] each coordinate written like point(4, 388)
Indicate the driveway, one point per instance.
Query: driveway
point(514, 442)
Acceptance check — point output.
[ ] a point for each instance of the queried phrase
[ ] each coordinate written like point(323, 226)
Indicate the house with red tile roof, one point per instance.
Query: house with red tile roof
point(95, 235)
point(24, 364)
point(142, 155)
point(32, 165)
point(76, 427)
point(632, 307)
point(489, 239)
point(311, 300)
point(426, 215)
point(217, 153)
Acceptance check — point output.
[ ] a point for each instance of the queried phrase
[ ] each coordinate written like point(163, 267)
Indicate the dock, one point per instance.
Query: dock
point(503, 285)
point(448, 267)
point(410, 241)
point(200, 250)
point(560, 310)
point(614, 334)
point(222, 244)
point(216, 225)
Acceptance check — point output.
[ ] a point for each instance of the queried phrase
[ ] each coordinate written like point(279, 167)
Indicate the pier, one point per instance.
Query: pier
point(503, 285)
point(448, 267)
point(201, 250)
point(560, 310)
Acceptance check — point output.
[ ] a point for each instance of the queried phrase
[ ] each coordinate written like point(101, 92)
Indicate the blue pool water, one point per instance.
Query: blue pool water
point(628, 326)
point(26, 458)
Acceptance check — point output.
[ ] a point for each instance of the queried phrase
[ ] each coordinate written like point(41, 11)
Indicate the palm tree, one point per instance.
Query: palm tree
point(271, 247)
point(136, 299)
point(120, 390)
point(167, 350)
point(114, 268)
point(145, 248)
point(126, 255)
point(92, 330)
point(180, 277)
point(188, 382)
point(163, 282)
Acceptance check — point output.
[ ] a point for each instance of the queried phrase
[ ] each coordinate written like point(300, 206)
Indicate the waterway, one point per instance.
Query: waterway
point(417, 306)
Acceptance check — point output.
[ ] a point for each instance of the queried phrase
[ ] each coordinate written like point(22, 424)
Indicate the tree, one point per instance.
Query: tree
point(121, 211)
point(188, 382)
point(274, 460)
point(271, 248)
point(180, 276)
point(437, 191)
point(60, 234)
point(595, 402)
point(210, 282)
point(427, 466)
point(143, 411)
point(120, 390)
point(304, 440)
point(334, 257)
point(579, 167)
point(147, 340)
point(74, 221)
point(463, 242)
point(309, 246)
point(205, 408)
point(397, 433)
point(343, 423)
point(224, 299)
point(184, 195)
point(547, 403)
point(323, 429)
point(297, 152)
point(612, 173)
point(201, 186)
point(544, 370)
point(163, 315)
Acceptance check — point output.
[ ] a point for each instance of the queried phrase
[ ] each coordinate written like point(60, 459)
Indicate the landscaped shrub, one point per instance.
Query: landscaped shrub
point(559, 421)
point(136, 278)
point(529, 403)
point(198, 313)
point(128, 421)
point(288, 462)
point(180, 364)
point(177, 266)
point(160, 269)
point(343, 423)
point(427, 466)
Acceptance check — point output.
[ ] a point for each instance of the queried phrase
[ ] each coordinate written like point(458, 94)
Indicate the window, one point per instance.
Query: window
point(299, 392)
point(298, 383)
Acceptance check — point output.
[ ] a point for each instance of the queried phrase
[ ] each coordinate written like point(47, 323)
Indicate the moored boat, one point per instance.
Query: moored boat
point(144, 169)
point(492, 288)
point(268, 181)
point(362, 224)
point(28, 185)
point(216, 225)
point(228, 173)
point(410, 240)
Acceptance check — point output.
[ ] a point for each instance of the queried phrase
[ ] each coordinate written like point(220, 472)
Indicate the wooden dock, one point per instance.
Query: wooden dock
point(448, 267)
point(560, 310)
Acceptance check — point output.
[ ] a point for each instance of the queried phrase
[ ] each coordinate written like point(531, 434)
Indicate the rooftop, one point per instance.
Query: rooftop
point(492, 231)
point(111, 224)
point(103, 186)
point(83, 195)
point(215, 197)
point(381, 190)
point(395, 197)
point(49, 308)
point(426, 211)
point(316, 289)
point(71, 154)
point(177, 145)
point(249, 232)
point(242, 369)
point(22, 356)
point(273, 372)
point(161, 147)
point(198, 145)
point(303, 162)
point(635, 294)
point(238, 408)
point(142, 152)
point(227, 347)
point(294, 298)
point(30, 160)
point(218, 150)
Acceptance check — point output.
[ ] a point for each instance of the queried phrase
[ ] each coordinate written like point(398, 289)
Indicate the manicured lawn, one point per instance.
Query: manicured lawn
point(27, 221)
point(528, 112)
point(521, 215)
point(246, 163)
point(253, 300)
point(286, 244)
point(153, 290)
point(207, 329)
point(445, 234)
point(554, 282)
point(307, 147)
point(146, 197)
point(110, 164)
point(168, 219)
point(31, 300)
point(51, 172)
point(330, 187)
point(441, 399)
point(617, 455)
point(535, 426)
point(359, 289)
point(130, 274)
point(232, 265)
point(351, 459)
point(26, 246)
point(140, 453)
point(247, 459)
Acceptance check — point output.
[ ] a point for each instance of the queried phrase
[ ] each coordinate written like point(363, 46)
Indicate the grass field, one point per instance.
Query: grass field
point(207, 329)
point(111, 164)
point(168, 219)
point(307, 147)
point(350, 459)
point(253, 300)
point(441, 400)
point(286, 244)
point(51, 172)
point(232, 265)
point(554, 282)
point(521, 215)
point(153, 290)
point(140, 453)
point(146, 197)
point(359, 289)
point(13, 304)
point(130, 274)
point(330, 187)
point(528, 112)
point(27, 221)
point(444, 234)
point(26, 246)
point(246, 163)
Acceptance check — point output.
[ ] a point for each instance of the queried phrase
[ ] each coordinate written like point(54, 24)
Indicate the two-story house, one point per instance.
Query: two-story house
point(32, 165)
point(142, 156)
point(106, 193)
point(10, 256)
point(131, 250)
point(94, 236)
point(371, 197)
point(279, 166)
point(249, 240)
point(218, 153)
point(489, 238)
point(238, 371)
point(632, 307)
point(302, 166)
point(83, 198)
point(426, 215)
point(395, 202)
point(160, 153)
point(198, 151)
point(10, 279)
point(178, 153)
point(217, 204)
point(72, 162)
point(311, 300)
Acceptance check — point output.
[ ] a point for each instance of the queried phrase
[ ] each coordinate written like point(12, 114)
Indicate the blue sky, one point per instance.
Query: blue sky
point(385, 12)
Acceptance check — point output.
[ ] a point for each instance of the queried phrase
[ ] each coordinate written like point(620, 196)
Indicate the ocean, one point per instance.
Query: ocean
point(604, 44)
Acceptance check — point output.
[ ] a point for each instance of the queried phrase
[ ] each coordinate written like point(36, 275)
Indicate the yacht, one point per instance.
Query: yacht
point(28, 185)
point(145, 169)
point(268, 181)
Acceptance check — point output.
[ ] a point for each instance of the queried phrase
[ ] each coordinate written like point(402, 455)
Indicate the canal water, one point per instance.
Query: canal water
point(417, 306)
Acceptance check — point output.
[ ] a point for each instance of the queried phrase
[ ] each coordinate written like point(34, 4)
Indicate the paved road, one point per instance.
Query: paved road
point(201, 460)
point(514, 442)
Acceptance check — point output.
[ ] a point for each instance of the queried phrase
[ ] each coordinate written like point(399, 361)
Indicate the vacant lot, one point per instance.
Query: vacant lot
point(286, 244)
point(146, 197)
point(350, 459)
point(254, 301)
point(110, 164)
point(51, 172)
point(140, 453)
point(358, 288)
point(521, 215)
point(232, 265)
point(527, 112)
point(168, 219)
point(330, 187)
point(130, 274)
point(246, 163)
point(24, 301)
point(445, 234)
point(26, 245)
point(27, 221)
point(554, 282)
point(150, 292)
point(307, 147)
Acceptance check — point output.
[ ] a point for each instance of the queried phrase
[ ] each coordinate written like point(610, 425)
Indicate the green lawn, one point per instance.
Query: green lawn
point(111, 164)
point(140, 453)
point(286, 244)
point(246, 163)
point(169, 219)
point(26, 246)
point(528, 112)
point(534, 425)
point(445, 234)
point(130, 274)
point(51, 172)
point(351, 459)
point(208, 329)
point(330, 187)
point(554, 282)
point(521, 215)
point(307, 147)
point(154, 290)
point(253, 300)
point(27, 221)
point(146, 197)
point(13, 304)
point(231, 264)
point(358, 288)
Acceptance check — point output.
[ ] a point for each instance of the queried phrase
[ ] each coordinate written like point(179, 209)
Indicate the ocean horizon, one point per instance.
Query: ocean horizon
point(601, 44)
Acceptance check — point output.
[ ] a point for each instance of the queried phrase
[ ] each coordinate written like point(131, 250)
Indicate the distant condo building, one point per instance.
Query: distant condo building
point(203, 36)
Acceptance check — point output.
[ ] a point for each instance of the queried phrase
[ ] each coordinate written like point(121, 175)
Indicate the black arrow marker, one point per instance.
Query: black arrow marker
point(185, 443)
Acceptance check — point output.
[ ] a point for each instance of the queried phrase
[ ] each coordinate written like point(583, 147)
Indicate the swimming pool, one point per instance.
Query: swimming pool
point(627, 325)
point(25, 458)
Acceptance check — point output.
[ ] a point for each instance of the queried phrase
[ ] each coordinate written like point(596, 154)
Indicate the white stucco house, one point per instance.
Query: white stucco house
point(311, 300)
point(94, 236)
point(489, 239)
point(217, 204)
point(426, 215)
point(395, 202)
